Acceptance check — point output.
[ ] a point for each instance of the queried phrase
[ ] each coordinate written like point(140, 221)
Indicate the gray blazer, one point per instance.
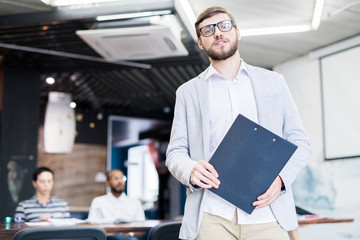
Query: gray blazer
point(189, 141)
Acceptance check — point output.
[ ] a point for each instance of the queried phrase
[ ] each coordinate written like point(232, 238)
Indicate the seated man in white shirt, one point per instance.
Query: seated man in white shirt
point(115, 206)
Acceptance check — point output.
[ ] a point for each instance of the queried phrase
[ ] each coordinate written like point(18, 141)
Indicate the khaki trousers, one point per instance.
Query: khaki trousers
point(213, 227)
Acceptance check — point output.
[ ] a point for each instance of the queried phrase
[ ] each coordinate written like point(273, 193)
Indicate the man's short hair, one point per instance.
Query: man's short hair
point(209, 12)
point(40, 170)
point(108, 173)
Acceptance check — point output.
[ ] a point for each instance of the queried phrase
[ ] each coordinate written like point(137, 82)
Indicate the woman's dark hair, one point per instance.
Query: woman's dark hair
point(40, 170)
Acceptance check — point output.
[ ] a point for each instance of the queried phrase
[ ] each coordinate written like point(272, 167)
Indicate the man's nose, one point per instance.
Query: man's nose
point(217, 31)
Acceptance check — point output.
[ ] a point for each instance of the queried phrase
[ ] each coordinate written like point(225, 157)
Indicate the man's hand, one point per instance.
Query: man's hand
point(44, 217)
point(204, 175)
point(270, 195)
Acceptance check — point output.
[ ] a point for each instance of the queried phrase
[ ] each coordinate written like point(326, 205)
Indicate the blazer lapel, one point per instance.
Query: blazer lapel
point(259, 93)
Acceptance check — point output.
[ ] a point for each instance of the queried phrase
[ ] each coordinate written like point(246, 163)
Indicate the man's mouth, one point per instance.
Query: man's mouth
point(220, 42)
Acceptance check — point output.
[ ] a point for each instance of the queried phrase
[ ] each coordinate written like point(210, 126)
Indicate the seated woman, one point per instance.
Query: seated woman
point(42, 206)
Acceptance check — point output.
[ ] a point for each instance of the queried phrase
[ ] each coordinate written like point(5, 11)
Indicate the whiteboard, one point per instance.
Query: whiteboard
point(341, 103)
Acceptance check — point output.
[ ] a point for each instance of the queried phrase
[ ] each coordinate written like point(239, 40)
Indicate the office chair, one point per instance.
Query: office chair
point(61, 233)
point(165, 231)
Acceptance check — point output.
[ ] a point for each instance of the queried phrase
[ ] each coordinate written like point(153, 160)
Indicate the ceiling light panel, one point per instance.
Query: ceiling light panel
point(58, 3)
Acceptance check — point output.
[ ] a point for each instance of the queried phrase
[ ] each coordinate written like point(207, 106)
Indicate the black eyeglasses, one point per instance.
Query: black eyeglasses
point(224, 26)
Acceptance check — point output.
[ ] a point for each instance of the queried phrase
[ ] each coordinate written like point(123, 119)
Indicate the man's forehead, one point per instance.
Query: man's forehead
point(215, 19)
point(115, 173)
point(45, 175)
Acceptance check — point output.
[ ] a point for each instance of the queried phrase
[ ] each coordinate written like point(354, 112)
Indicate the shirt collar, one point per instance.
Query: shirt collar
point(212, 71)
point(122, 196)
point(37, 201)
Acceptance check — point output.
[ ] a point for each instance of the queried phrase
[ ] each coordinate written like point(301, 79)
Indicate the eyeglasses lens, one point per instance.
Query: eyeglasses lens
point(224, 26)
point(123, 178)
point(208, 30)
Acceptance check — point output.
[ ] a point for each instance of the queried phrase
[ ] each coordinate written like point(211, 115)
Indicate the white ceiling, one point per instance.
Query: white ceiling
point(270, 50)
point(266, 51)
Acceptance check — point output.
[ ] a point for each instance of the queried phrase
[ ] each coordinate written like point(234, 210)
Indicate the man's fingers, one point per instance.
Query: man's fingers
point(202, 184)
point(270, 195)
point(209, 168)
point(208, 175)
point(204, 175)
point(209, 179)
point(265, 200)
point(202, 178)
point(209, 171)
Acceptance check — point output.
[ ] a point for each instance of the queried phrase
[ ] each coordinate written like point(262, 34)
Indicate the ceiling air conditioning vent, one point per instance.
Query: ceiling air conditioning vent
point(134, 43)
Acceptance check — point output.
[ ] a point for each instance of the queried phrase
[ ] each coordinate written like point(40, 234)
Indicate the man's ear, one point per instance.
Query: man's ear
point(238, 33)
point(34, 183)
point(107, 184)
point(200, 44)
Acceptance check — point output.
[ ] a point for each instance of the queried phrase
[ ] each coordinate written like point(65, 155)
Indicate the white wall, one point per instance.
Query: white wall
point(323, 185)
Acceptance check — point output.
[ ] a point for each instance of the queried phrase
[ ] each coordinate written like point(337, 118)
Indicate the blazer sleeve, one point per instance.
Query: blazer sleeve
point(293, 131)
point(178, 158)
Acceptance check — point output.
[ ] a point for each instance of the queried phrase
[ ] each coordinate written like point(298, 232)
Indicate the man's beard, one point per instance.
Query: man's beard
point(114, 190)
point(222, 55)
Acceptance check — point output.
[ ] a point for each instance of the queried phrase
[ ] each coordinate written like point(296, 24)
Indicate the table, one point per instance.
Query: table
point(135, 227)
point(8, 230)
point(325, 220)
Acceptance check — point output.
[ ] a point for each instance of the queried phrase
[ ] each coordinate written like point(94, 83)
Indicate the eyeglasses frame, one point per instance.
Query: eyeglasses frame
point(216, 25)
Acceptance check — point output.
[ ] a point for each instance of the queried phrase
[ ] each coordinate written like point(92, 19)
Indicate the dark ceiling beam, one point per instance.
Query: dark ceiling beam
point(91, 12)
point(159, 76)
point(74, 55)
point(143, 80)
point(184, 73)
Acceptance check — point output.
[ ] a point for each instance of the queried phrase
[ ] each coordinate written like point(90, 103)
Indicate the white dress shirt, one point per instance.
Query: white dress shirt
point(228, 98)
point(107, 208)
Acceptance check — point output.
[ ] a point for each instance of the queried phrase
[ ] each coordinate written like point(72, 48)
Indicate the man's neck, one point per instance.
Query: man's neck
point(229, 67)
point(117, 195)
point(43, 198)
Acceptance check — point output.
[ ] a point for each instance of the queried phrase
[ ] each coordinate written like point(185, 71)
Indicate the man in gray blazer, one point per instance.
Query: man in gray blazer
point(205, 108)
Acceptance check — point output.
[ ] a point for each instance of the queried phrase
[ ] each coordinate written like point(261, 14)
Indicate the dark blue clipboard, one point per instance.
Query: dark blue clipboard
point(248, 160)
